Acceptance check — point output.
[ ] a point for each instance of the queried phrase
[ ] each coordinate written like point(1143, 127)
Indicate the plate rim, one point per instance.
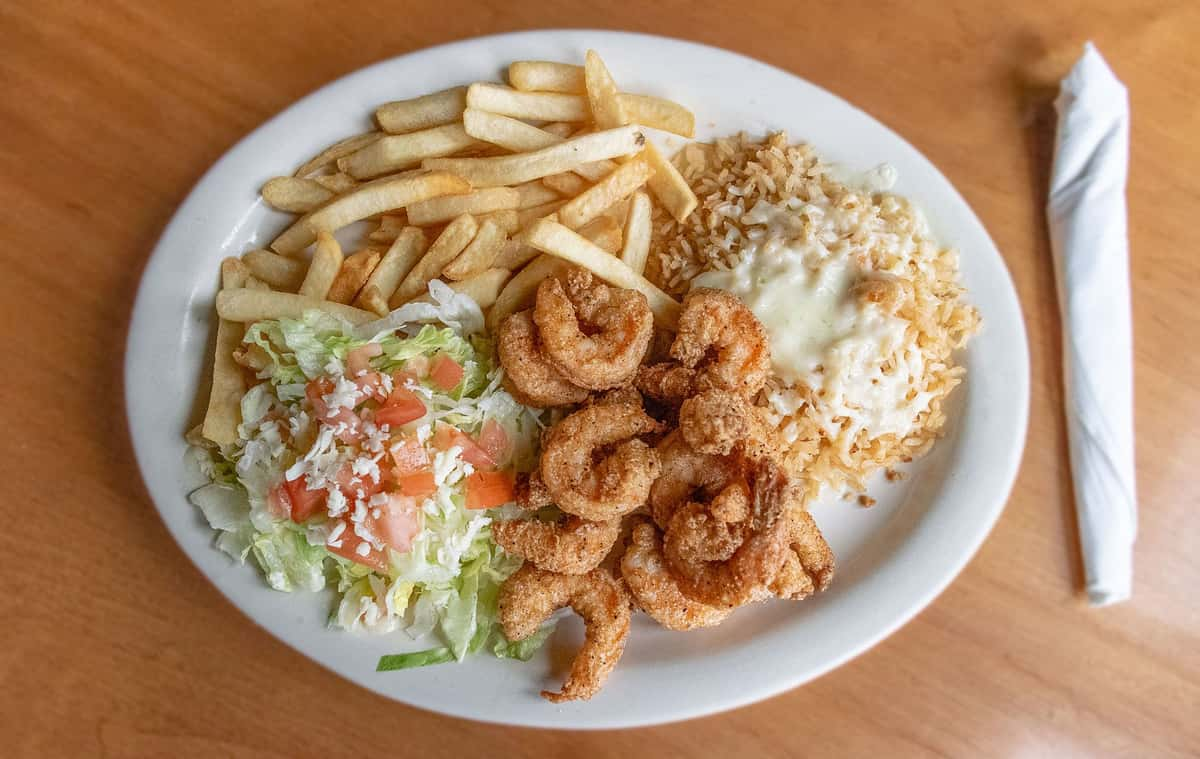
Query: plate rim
point(783, 682)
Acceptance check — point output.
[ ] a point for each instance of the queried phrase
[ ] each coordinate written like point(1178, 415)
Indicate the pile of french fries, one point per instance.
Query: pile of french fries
point(487, 187)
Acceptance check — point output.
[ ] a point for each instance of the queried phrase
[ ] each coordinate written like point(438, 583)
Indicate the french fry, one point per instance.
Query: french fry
point(248, 306)
point(326, 262)
point(508, 220)
point(479, 254)
point(395, 265)
point(390, 226)
point(565, 156)
point(567, 184)
point(557, 240)
point(278, 271)
point(669, 186)
point(533, 194)
point(601, 196)
point(294, 195)
point(519, 292)
point(483, 288)
point(223, 413)
point(456, 236)
point(562, 129)
point(371, 299)
point(355, 272)
point(657, 113)
point(546, 76)
point(446, 208)
point(527, 216)
point(337, 183)
point(366, 200)
point(435, 109)
point(601, 93)
point(404, 151)
point(331, 154)
point(234, 273)
point(596, 170)
point(254, 283)
point(636, 248)
point(604, 232)
point(508, 133)
point(538, 106)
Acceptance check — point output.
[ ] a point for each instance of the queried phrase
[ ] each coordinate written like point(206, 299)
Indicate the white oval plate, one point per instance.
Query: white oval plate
point(893, 559)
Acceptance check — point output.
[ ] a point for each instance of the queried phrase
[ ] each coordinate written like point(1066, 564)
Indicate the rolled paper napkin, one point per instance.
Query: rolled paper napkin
point(1086, 214)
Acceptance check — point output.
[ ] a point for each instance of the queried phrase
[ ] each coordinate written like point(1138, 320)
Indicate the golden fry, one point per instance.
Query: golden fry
point(442, 209)
point(423, 112)
point(657, 113)
point(546, 76)
point(505, 131)
point(602, 93)
point(404, 151)
point(483, 288)
point(355, 272)
point(604, 194)
point(331, 154)
point(294, 195)
point(249, 306)
point(523, 167)
point(395, 265)
point(533, 194)
point(326, 262)
point(637, 233)
point(337, 183)
point(669, 186)
point(371, 299)
point(519, 292)
point(223, 414)
point(539, 106)
point(366, 200)
point(280, 272)
point(456, 236)
point(479, 254)
point(567, 184)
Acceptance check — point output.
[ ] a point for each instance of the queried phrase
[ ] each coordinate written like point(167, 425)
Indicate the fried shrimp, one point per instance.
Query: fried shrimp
point(668, 383)
point(570, 546)
point(531, 493)
point(655, 589)
point(715, 421)
point(810, 562)
point(531, 595)
point(596, 335)
point(686, 475)
point(528, 376)
point(750, 569)
point(594, 465)
point(722, 339)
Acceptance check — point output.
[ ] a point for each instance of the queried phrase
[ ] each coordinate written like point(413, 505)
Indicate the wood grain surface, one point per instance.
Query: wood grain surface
point(112, 644)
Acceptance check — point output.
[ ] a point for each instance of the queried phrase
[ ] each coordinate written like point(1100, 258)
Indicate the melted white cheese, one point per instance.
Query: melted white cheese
point(797, 275)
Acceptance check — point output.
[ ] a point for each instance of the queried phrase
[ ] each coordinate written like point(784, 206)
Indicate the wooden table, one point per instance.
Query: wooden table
point(113, 644)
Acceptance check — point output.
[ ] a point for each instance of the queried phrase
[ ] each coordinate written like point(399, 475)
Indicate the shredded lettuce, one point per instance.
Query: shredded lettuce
point(448, 581)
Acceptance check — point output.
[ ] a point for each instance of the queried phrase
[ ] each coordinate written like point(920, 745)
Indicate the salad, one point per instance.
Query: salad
point(373, 459)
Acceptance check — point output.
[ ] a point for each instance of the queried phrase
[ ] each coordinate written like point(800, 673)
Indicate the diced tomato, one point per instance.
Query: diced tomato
point(410, 456)
point(445, 372)
point(446, 437)
point(399, 521)
point(278, 502)
point(347, 425)
point(488, 489)
point(350, 483)
point(401, 407)
point(315, 392)
point(304, 502)
point(494, 441)
point(358, 360)
point(417, 485)
point(348, 544)
point(371, 386)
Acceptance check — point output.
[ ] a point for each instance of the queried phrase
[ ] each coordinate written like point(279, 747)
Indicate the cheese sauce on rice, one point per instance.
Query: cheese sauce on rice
point(862, 306)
